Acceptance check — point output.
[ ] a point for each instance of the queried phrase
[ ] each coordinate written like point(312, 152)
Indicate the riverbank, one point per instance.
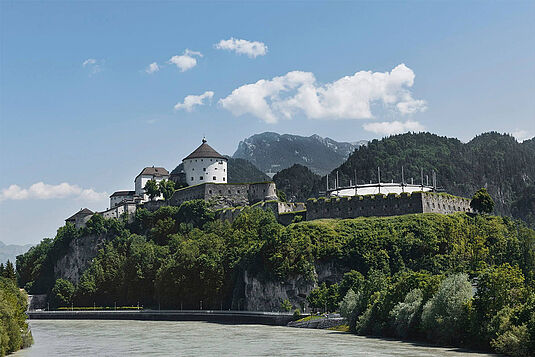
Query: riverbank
point(219, 316)
point(319, 322)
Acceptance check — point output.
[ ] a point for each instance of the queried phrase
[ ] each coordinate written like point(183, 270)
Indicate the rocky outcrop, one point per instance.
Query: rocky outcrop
point(255, 292)
point(78, 257)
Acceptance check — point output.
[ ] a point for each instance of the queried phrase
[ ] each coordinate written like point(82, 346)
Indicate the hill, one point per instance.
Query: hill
point(271, 151)
point(177, 256)
point(492, 160)
point(298, 183)
point(10, 251)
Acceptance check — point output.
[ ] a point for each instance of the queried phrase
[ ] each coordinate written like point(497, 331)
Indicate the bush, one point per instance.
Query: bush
point(14, 331)
point(403, 313)
point(443, 316)
point(62, 293)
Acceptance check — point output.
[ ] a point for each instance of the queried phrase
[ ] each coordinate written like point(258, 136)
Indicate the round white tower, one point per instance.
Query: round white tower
point(205, 165)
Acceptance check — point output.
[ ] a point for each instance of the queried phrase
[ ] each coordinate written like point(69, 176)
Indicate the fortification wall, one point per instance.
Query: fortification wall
point(285, 212)
point(226, 195)
point(385, 205)
point(444, 203)
point(117, 211)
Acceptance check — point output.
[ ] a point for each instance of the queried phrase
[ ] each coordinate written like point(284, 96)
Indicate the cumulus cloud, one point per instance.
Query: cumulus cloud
point(153, 67)
point(185, 61)
point(250, 48)
point(350, 97)
point(192, 100)
point(43, 191)
point(393, 127)
point(93, 65)
point(521, 135)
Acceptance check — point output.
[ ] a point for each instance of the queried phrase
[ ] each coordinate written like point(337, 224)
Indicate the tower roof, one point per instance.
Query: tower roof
point(204, 151)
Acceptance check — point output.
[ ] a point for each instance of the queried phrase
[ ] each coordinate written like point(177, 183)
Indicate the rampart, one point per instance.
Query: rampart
point(385, 205)
point(223, 195)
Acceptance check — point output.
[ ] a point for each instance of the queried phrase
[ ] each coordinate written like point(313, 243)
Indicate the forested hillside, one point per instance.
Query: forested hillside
point(178, 256)
point(298, 183)
point(492, 160)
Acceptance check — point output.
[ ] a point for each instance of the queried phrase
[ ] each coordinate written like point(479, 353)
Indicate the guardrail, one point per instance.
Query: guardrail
point(221, 316)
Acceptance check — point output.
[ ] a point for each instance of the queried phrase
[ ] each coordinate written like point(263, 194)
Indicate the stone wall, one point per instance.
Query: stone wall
point(385, 205)
point(285, 212)
point(226, 195)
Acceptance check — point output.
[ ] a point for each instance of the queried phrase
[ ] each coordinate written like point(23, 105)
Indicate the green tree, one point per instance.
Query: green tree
point(482, 202)
point(152, 189)
point(167, 188)
point(444, 316)
point(14, 331)
point(286, 305)
point(9, 272)
point(62, 293)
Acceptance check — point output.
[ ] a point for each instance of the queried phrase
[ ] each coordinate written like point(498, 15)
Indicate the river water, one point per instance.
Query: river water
point(170, 338)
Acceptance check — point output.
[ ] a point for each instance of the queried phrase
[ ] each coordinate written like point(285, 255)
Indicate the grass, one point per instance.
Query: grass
point(340, 328)
point(311, 317)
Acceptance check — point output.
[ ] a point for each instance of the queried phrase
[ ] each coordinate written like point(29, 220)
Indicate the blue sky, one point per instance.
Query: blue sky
point(455, 69)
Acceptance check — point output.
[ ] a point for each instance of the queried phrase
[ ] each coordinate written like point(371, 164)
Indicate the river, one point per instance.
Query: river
point(169, 338)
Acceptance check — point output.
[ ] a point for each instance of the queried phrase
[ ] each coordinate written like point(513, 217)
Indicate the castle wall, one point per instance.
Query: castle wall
point(226, 195)
point(385, 205)
point(117, 211)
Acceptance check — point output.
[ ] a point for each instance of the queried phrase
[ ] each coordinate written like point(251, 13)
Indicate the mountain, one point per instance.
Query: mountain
point(272, 152)
point(298, 183)
point(492, 160)
point(239, 170)
point(10, 251)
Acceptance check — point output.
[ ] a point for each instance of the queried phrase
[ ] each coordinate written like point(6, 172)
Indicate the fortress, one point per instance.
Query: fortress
point(205, 174)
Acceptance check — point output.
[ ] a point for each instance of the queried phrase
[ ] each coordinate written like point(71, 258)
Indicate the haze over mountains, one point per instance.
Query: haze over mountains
point(272, 152)
point(10, 251)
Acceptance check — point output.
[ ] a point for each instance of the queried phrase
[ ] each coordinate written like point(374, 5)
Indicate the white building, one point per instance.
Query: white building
point(119, 197)
point(149, 173)
point(205, 165)
point(378, 188)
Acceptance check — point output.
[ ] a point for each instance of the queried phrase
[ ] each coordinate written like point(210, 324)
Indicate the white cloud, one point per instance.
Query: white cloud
point(349, 97)
point(153, 67)
point(186, 61)
point(43, 191)
point(192, 100)
point(93, 65)
point(250, 48)
point(521, 135)
point(393, 127)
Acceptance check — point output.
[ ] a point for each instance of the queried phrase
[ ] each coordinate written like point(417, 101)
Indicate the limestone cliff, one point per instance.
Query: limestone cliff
point(255, 292)
point(80, 252)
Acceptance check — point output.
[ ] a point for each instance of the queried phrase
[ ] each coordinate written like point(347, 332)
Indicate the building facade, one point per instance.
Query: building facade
point(149, 173)
point(205, 165)
point(119, 197)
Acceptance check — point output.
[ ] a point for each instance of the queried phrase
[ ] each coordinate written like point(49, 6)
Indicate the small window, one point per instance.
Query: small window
point(215, 168)
point(223, 179)
point(193, 169)
point(200, 177)
point(219, 191)
point(224, 170)
point(228, 191)
point(195, 160)
point(210, 191)
point(238, 191)
point(204, 168)
point(211, 160)
point(214, 178)
point(192, 179)
point(201, 160)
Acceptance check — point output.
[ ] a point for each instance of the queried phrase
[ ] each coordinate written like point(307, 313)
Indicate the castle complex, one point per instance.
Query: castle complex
point(205, 173)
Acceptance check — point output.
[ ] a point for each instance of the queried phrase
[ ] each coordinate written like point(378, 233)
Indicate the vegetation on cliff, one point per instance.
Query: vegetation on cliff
point(407, 276)
point(14, 332)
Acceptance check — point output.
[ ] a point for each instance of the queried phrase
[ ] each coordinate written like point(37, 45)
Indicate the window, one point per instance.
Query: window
point(219, 191)
point(192, 179)
point(238, 191)
point(193, 169)
point(228, 191)
point(201, 160)
point(215, 168)
point(223, 179)
point(200, 177)
point(210, 191)
point(223, 170)
point(204, 168)
point(211, 160)
point(214, 178)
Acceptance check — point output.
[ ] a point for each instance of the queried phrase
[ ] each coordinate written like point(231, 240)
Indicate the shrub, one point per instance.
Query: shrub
point(442, 316)
point(403, 313)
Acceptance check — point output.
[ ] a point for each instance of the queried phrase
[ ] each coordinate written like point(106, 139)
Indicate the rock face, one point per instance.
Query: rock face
point(78, 258)
point(254, 292)
point(271, 151)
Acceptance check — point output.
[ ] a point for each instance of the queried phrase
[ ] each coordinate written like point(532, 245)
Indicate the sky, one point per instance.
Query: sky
point(92, 92)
